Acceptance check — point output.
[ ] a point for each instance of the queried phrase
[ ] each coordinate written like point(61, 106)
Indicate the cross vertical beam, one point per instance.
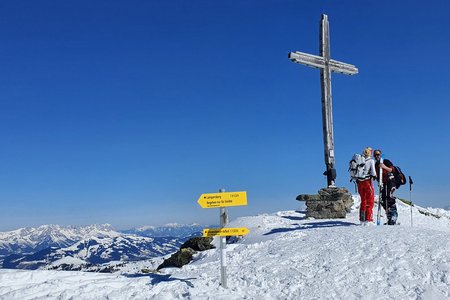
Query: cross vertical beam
point(326, 65)
point(327, 117)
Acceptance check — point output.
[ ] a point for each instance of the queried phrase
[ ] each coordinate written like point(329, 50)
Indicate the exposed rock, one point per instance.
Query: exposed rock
point(199, 243)
point(329, 203)
point(178, 259)
point(306, 197)
point(187, 250)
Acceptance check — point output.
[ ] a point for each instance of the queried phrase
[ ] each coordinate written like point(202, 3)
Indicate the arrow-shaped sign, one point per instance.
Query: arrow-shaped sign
point(222, 199)
point(209, 232)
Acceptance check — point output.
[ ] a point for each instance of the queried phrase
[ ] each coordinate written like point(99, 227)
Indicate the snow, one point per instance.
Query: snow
point(285, 256)
point(144, 228)
point(68, 260)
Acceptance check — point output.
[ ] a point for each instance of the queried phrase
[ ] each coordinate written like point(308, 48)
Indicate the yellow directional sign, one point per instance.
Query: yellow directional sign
point(222, 199)
point(209, 232)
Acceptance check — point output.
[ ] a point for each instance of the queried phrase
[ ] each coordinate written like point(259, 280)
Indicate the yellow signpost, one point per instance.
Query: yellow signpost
point(209, 232)
point(215, 200)
point(222, 200)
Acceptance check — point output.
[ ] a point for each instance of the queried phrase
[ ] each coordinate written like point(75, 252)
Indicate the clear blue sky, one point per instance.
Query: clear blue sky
point(126, 111)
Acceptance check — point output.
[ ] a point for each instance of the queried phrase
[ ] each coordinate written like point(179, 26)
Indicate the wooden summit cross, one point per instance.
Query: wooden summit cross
point(326, 66)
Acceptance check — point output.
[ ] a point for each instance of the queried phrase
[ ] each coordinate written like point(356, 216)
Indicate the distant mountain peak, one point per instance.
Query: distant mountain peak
point(32, 239)
point(144, 228)
point(168, 230)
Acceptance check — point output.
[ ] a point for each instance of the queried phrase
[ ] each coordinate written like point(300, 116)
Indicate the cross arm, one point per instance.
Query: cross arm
point(340, 67)
point(319, 62)
point(307, 59)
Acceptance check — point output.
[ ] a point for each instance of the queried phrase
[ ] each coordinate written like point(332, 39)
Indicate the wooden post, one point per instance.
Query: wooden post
point(326, 66)
point(327, 116)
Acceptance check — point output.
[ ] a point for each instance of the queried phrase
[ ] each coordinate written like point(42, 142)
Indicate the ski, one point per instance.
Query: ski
point(379, 209)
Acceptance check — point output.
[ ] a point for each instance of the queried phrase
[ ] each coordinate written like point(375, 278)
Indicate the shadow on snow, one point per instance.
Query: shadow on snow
point(294, 218)
point(157, 278)
point(310, 225)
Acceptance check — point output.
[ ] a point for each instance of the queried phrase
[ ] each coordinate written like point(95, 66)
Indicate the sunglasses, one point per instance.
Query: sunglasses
point(377, 154)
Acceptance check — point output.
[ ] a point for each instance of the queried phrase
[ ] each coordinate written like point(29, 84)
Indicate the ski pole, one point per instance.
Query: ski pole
point(380, 191)
point(410, 197)
point(359, 196)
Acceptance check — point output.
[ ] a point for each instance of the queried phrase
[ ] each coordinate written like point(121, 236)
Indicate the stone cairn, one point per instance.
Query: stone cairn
point(330, 203)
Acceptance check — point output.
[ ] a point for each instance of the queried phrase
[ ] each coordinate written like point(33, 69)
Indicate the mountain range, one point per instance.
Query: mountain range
point(53, 245)
point(172, 230)
point(95, 251)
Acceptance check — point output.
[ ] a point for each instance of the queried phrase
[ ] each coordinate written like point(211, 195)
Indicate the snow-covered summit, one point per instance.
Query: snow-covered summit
point(285, 256)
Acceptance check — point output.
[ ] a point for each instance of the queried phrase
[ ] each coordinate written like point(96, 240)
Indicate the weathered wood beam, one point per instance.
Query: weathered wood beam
point(316, 61)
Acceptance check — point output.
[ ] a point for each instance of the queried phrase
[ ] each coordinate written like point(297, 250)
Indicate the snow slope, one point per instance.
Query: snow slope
point(285, 256)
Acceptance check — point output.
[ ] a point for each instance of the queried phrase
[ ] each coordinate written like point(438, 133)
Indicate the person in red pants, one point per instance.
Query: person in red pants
point(365, 189)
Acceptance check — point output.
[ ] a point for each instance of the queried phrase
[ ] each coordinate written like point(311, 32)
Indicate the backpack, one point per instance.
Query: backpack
point(399, 177)
point(356, 168)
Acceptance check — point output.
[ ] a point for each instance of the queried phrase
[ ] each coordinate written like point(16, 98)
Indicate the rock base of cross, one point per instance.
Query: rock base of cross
point(329, 203)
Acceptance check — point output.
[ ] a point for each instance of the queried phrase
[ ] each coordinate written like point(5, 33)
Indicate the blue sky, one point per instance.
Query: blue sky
point(124, 112)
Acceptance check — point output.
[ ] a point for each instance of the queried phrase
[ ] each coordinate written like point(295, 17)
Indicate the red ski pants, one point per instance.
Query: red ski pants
point(367, 194)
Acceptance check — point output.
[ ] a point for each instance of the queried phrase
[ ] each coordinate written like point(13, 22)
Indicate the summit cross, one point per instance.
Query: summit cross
point(326, 66)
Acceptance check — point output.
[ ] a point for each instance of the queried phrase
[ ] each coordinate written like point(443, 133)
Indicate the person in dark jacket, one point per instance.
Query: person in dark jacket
point(387, 192)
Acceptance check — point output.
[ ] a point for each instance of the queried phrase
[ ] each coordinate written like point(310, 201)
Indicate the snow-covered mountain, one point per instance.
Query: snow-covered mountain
point(168, 230)
point(285, 256)
point(30, 240)
point(95, 251)
point(48, 245)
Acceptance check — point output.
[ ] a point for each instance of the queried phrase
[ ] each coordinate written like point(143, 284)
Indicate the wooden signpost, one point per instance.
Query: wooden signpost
point(222, 200)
